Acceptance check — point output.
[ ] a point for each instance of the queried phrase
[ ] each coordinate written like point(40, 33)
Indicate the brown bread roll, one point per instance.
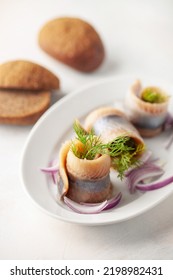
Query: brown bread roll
point(22, 74)
point(73, 42)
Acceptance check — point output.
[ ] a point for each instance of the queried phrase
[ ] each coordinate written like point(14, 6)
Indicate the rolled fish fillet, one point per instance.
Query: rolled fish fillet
point(83, 180)
point(111, 123)
point(147, 117)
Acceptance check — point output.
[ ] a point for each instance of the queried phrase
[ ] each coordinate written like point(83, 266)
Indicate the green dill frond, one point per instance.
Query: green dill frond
point(81, 133)
point(91, 144)
point(122, 144)
point(124, 151)
point(152, 95)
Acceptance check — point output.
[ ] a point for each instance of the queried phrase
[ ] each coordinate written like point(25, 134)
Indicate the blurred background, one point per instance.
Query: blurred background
point(137, 34)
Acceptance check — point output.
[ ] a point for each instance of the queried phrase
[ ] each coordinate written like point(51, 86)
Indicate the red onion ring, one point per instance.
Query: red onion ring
point(53, 171)
point(155, 185)
point(85, 209)
point(145, 171)
point(114, 201)
point(93, 208)
point(143, 159)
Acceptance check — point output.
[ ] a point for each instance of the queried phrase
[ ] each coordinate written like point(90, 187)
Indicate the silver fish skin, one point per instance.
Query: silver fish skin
point(147, 117)
point(110, 123)
point(83, 180)
point(91, 191)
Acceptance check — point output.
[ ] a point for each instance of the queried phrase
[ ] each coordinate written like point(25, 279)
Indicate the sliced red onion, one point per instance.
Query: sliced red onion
point(168, 122)
point(169, 142)
point(84, 209)
point(155, 185)
point(53, 171)
point(112, 202)
point(54, 177)
point(167, 126)
point(147, 170)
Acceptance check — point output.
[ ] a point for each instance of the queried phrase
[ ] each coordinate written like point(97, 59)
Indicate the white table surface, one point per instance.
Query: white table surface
point(138, 37)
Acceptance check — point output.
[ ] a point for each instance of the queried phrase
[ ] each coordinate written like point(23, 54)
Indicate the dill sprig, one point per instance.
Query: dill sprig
point(91, 144)
point(152, 95)
point(124, 151)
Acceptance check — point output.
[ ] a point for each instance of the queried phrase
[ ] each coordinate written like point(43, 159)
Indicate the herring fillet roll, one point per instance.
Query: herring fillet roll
point(111, 123)
point(124, 143)
point(148, 116)
point(83, 180)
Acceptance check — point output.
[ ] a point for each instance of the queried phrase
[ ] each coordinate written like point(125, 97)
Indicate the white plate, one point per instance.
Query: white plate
point(55, 126)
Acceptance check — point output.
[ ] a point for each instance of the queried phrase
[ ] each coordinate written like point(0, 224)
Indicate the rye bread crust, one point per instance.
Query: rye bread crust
point(73, 42)
point(23, 74)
